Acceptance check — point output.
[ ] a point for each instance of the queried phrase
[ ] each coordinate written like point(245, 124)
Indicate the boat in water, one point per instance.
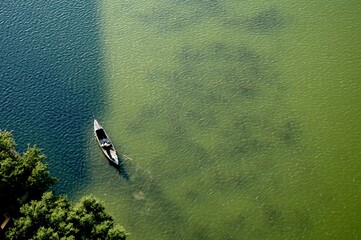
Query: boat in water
point(105, 143)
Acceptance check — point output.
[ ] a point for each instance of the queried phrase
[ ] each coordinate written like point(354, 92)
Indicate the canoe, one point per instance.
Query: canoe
point(105, 143)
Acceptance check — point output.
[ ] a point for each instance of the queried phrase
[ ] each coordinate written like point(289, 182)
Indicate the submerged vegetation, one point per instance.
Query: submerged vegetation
point(211, 125)
point(38, 214)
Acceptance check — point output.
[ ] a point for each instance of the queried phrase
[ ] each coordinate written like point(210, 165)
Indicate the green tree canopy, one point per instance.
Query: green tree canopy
point(55, 217)
point(22, 176)
point(37, 215)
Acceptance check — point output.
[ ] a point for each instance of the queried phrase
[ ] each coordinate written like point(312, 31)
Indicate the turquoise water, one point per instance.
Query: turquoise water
point(241, 119)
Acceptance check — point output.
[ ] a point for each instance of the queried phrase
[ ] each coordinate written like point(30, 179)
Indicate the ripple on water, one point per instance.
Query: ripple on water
point(219, 131)
point(51, 82)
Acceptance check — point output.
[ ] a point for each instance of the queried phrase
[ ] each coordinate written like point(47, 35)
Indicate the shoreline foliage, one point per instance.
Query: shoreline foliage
point(38, 213)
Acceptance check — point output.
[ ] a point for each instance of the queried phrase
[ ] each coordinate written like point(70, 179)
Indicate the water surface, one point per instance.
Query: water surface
point(241, 119)
point(50, 80)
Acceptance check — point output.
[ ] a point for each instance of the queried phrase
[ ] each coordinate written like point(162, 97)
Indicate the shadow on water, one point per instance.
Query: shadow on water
point(50, 81)
point(121, 169)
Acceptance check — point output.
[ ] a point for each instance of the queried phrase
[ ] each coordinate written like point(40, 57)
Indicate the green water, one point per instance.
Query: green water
point(241, 119)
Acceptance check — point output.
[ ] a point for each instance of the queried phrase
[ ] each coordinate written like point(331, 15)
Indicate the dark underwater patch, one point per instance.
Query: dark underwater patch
point(145, 119)
point(154, 206)
point(239, 71)
point(230, 181)
point(273, 216)
point(200, 231)
point(165, 21)
point(290, 133)
point(229, 90)
point(207, 6)
point(302, 222)
point(171, 17)
point(266, 21)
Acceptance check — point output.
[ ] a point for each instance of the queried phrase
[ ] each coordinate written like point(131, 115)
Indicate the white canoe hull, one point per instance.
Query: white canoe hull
point(101, 136)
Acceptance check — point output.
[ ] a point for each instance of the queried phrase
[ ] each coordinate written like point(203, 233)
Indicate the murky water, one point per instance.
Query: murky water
point(234, 114)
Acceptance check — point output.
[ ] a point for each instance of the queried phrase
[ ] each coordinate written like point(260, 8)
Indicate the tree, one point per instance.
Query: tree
point(21, 176)
point(55, 217)
point(37, 214)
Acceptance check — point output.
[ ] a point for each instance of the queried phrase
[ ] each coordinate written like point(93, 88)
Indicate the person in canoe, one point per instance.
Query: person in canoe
point(106, 145)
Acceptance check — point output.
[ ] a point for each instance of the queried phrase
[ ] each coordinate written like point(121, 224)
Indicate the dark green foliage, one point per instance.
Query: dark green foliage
point(98, 223)
point(55, 217)
point(23, 180)
point(7, 145)
point(21, 176)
